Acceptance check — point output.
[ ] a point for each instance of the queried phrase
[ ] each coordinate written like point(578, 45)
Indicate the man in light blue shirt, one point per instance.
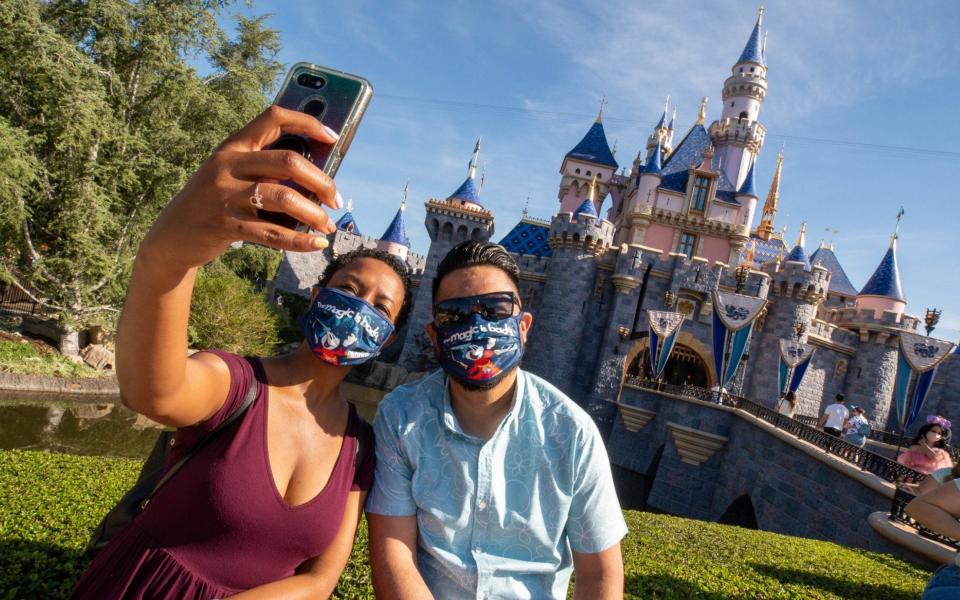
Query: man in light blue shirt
point(490, 482)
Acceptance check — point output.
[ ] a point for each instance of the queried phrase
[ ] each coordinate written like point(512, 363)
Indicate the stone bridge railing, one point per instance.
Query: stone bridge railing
point(804, 429)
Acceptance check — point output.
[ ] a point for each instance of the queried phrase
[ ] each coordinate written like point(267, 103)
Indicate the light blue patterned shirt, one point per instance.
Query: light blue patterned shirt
point(496, 518)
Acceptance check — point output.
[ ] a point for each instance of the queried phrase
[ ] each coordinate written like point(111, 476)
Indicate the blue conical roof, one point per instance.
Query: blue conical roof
point(798, 254)
point(753, 51)
point(586, 208)
point(594, 148)
point(653, 166)
point(885, 281)
point(397, 231)
point(348, 223)
point(839, 282)
point(749, 186)
point(467, 191)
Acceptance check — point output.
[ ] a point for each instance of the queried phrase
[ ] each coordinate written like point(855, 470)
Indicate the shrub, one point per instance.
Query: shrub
point(60, 498)
point(291, 308)
point(227, 313)
point(252, 262)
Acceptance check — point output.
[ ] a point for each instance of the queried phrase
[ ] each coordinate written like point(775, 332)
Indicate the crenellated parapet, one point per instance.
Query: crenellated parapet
point(738, 132)
point(793, 280)
point(345, 241)
point(749, 85)
point(583, 232)
point(871, 326)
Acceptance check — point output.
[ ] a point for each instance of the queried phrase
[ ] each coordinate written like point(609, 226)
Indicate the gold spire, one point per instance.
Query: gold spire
point(765, 231)
point(593, 191)
point(703, 111)
point(783, 233)
point(603, 102)
point(802, 236)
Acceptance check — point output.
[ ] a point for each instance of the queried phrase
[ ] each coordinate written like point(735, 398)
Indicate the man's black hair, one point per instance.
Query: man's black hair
point(472, 253)
point(394, 262)
point(840, 398)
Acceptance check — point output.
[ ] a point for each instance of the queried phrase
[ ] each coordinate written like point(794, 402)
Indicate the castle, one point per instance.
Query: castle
point(679, 224)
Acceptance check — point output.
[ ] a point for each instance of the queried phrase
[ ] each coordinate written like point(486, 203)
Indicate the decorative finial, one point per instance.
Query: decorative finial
point(703, 111)
point(673, 118)
point(614, 149)
point(603, 102)
point(802, 236)
point(406, 192)
point(763, 47)
point(472, 171)
point(526, 205)
point(760, 16)
point(483, 175)
point(350, 205)
point(593, 190)
point(896, 231)
point(783, 232)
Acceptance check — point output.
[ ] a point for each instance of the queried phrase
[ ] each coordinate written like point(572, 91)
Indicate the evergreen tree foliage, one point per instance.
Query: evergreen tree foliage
point(103, 117)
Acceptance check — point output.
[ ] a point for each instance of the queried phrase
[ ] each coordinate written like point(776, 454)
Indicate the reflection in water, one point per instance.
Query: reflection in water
point(103, 428)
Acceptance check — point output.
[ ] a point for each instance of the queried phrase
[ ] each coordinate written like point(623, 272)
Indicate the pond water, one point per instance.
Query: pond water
point(102, 426)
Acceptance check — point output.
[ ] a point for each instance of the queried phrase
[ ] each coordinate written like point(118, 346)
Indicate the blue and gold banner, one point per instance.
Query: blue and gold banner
point(919, 358)
point(664, 327)
point(733, 318)
point(794, 360)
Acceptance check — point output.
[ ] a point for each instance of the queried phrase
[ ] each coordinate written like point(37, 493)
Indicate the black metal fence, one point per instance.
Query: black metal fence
point(13, 299)
point(898, 513)
point(881, 466)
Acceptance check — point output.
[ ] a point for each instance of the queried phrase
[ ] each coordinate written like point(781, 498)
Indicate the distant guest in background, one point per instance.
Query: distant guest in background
point(787, 405)
point(939, 510)
point(857, 428)
point(928, 450)
point(834, 416)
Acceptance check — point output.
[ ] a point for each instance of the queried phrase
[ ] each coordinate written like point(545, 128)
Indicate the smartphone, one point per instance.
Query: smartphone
point(335, 98)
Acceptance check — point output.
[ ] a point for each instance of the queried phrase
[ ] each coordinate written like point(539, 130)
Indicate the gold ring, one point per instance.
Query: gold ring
point(256, 199)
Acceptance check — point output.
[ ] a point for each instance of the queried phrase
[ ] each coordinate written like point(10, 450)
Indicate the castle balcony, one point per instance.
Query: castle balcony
point(742, 132)
point(699, 224)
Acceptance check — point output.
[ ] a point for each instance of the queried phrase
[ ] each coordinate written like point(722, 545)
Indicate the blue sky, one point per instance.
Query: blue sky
point(862, 94)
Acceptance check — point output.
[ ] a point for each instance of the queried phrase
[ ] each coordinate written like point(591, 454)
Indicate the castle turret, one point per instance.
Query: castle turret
point(662, 135)
point(346, 222)
point(577, 239)
point(591, 156)
point(796, 290)
point(747, 197)
point(766, 229)
point(799, 253)
point(394, 240)
point(883, 291)
point(738, 134)
point(459, 217)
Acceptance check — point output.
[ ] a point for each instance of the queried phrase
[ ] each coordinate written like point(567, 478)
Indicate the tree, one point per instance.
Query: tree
point(102, 120)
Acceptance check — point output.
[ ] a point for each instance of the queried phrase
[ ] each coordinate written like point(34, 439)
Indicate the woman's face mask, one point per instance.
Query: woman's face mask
point(344, 330)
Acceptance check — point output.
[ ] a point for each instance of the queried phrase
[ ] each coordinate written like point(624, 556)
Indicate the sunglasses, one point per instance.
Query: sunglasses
point(492, 307)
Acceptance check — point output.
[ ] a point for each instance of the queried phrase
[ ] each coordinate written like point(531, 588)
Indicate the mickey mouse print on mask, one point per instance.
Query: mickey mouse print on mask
point(344, 330)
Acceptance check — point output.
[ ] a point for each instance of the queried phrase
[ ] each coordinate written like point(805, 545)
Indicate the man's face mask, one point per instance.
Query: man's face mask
point(478, 338)
point(344, 330)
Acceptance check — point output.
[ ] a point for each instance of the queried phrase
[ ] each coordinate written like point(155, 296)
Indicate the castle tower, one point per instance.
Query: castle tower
point(591, 156)
point(796, 290)
point(878, 318)
point(394, 240)
point(346, 222)
point(766, 229)
point(747, 197)
point(577, 239)
point(663, 132)
point(459, 217)
point(641, 203)
point(738, 134)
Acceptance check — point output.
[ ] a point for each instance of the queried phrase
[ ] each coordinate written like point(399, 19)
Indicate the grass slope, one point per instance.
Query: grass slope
point(29, 357)
point(49, 502)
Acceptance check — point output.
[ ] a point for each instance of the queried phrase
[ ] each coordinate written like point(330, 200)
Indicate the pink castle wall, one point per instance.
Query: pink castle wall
point(715, 250)
point(660, 237)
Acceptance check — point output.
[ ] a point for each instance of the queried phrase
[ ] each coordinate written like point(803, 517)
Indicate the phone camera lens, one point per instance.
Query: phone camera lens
point(311, 81)
point(294, 143)
point(314, 108)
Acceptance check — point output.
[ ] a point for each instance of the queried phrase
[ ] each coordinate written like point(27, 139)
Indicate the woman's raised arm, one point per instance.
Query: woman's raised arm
point(216, 208)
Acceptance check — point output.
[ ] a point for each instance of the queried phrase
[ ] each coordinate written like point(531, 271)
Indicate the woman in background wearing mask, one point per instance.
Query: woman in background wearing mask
point(928, 450)
point(269, 507)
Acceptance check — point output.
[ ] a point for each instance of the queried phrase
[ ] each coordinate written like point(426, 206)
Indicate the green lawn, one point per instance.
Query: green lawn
point(48, 503)
point(33, 358)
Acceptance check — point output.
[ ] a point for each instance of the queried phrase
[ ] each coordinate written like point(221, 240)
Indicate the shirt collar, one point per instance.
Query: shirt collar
point(450, 419)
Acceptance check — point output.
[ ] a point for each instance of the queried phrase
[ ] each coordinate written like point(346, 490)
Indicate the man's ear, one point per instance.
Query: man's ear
point(526, 320)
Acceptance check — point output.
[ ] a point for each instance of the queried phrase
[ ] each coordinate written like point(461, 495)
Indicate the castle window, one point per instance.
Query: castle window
point(688, 242)
point(751, 69)
point(588, 173)
point(701, 186)
point(743, 116)
point(577, 171)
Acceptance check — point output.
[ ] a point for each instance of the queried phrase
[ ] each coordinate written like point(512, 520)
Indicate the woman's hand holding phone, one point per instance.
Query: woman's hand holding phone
point(219, 204)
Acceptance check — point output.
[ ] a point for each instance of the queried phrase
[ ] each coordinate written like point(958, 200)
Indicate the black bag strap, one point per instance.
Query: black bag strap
point(247, 401)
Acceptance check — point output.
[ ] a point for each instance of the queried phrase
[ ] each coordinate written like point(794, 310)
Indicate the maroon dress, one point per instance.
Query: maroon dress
point(220, 526)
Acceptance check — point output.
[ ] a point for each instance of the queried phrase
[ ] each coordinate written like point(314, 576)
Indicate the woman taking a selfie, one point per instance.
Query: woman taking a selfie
point(268, 507)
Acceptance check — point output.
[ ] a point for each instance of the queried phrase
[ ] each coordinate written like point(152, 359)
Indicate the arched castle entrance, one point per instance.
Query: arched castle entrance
point(690, 362)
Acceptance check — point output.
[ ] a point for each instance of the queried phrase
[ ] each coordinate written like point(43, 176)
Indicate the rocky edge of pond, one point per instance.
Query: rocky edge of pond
point(49, 384)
